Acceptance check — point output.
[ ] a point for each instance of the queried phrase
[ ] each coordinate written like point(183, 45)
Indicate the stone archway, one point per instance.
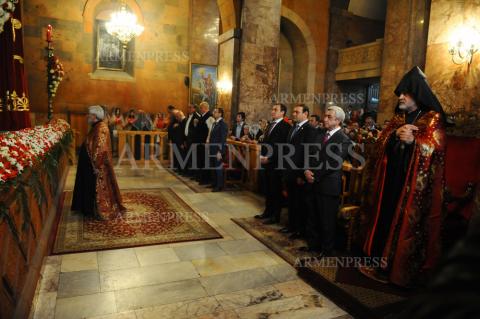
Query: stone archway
point(229, 14)
point(298, 27)
point(93, 7)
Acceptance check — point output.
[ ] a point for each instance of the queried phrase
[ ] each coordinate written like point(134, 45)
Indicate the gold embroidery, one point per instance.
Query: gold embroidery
point(421, 181)
point(426, 149)
point(19, 58)
point(438, 137)
point(17, 103)
point(16, 24)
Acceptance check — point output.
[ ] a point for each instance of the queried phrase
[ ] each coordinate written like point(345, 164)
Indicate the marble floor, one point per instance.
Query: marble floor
point(232, 277)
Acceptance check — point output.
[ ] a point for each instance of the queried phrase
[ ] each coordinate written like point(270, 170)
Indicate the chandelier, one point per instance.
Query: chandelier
point(123, 25)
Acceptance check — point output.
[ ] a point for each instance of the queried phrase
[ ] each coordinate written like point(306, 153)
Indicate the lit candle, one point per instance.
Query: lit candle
point(49, 33)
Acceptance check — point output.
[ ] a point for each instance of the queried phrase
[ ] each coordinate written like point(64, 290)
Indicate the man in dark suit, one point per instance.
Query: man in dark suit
point(179, 141)
point(217, 147)
point(237, 129)
point(325, 177)
point(190, 135)
point(202, 130)
point(275, 136)
point(171, 121)
point(301, 134)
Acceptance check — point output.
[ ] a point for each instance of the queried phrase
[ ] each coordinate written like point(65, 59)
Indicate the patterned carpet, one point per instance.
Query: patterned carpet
point(344, 285)
point(154, 216)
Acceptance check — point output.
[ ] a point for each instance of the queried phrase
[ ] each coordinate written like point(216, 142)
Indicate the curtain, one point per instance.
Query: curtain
point(14, 102)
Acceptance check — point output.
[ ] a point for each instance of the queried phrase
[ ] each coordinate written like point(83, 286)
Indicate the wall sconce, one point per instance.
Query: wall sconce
point(464, 43)
point(224, 86)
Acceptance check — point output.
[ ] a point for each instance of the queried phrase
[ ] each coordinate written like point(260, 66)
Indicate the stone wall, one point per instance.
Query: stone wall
point(315, 16)
point(347, 27)
point(204, 32)
point(176, 33)
point(259, 57)
point(457, 86)
point(405, 43)
point(285, 81)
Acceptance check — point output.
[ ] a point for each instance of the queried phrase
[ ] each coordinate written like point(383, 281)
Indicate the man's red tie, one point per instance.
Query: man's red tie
point(325, 138)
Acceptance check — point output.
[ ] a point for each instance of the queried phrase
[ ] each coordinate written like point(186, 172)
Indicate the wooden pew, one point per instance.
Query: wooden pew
point(251, 153)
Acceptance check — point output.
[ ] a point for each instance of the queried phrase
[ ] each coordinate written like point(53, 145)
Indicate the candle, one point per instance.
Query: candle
point(49, 33)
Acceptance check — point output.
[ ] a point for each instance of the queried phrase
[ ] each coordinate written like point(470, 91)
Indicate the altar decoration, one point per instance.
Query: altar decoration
point(55, 71)
point(23, 149)
point(33, 170)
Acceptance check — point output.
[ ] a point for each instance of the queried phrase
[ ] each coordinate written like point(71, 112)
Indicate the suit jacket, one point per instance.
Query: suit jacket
point(218, 137)
point(202, 128)
point(178, 132)
point(192, 128)
point(273, 139)
point(327, 169)
point(234, 130)
point(170, 126)
point(295, 166)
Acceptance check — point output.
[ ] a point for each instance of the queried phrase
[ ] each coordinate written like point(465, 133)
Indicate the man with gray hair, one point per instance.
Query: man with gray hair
point(96, 193)
point(324, 175)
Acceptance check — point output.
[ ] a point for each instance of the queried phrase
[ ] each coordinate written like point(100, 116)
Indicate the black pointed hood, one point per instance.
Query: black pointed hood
point(415, 83)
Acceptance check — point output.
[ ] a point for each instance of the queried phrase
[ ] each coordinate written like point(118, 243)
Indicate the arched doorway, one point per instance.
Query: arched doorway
point(297, 59)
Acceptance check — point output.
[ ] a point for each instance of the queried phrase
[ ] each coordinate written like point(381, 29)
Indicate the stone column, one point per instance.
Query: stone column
point(405, 45)
point(259, 51)
point(228, 71)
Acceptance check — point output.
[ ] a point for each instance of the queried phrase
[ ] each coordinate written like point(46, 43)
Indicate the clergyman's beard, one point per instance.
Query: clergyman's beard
point(406, 108)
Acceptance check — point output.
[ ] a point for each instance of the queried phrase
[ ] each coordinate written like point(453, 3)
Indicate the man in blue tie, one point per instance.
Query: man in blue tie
point(274, 137)
point(299, 136)
point(217, 147)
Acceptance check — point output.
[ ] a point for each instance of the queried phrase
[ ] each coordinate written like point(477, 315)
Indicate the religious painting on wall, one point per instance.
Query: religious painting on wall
point(203, 84)
point(109, 50)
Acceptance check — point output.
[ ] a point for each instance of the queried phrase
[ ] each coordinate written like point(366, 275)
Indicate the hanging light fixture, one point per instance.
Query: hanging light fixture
point(123, 25)
point(464, 43)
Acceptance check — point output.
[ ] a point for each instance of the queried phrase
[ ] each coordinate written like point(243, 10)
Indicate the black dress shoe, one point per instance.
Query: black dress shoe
point(217, 189)
point(285, 230)
point(261, 216)
point(328, 253)
point(295, 236)
point(270, 221)
point(307, 249)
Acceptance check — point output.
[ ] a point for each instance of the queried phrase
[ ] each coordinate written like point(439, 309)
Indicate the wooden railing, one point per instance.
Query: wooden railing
point(361, 61)
point(157, 146)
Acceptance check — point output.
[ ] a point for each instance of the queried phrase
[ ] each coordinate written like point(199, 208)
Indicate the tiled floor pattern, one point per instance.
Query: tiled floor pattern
point(233, 277)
